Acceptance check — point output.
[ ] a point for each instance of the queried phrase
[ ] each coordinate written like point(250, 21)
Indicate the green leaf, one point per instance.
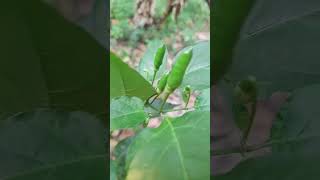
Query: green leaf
point(50, 144)
point(125, 81)
point(274, 42)
point(295, 152)
point(228, 19)
point(95, 23)
point(126, 112)
point(146, 67)
point(203, 100)
point(46, 61)
point(178, 149)
point(120, 153)
point(113, 170)
point(198, 72)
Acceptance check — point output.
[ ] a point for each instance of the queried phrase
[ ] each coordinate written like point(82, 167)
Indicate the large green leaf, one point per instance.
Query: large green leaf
point(279, 45)
point(126, 112)
point(95, 23)
point(228, 18)
point(120, 153)
point(198, 72)
point(48, 61)
point(113, 170)
point(50, 144)
point(178, 149)
point(295, 152)
point(125, 81)
point(146, 67)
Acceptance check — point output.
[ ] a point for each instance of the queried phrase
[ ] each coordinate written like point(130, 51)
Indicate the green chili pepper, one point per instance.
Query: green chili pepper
point(162, 83)
point(177, 73)
point(158, 59)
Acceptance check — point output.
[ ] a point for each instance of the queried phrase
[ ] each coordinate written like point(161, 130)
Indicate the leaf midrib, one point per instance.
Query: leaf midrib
point(185, 175)
point(279, 23)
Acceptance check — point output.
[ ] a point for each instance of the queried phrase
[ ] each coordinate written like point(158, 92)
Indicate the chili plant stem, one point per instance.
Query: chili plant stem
point(164, 101)
point(187, 101)
point(147, 101)
point(154, 77)
point(183, 109)
point(251, 119)
point(154, 98)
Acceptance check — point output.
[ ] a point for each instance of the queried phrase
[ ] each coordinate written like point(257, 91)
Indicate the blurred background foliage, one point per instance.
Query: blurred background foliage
point(129, 40)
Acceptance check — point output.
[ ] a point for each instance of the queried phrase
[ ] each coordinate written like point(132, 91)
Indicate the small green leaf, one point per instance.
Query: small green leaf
point(126, 112)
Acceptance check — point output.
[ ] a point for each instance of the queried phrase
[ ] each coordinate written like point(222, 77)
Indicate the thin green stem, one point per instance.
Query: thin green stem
point(251, 119)
point(154, 98)
point(147, 101)
point(154, 76)
point(187, 101)
point(167, 94)
point(182, 109)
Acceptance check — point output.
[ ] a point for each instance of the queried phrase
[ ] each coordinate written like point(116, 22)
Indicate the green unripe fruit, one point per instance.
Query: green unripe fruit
point(186, 93)
point(177, 73)
point(158, 59)
point(162, 83)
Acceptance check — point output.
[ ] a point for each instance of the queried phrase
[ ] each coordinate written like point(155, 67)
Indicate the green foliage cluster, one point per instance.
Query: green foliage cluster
point(178, 144)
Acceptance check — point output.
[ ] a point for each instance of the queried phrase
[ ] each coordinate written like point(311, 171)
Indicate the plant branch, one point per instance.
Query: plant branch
point(182, 109)
point(251, 119)
point(154, 76)
point(260, 146)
